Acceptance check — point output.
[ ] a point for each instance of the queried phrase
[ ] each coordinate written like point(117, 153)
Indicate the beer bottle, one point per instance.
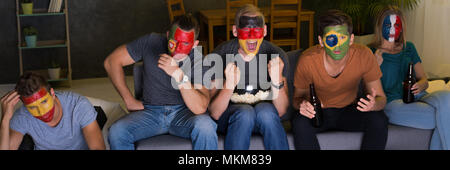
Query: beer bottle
point(408, 96)
point(317, 121)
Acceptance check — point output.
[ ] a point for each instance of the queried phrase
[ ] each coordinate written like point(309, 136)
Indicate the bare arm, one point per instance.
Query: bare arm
point(422, 79)
point(220, 100)
point(9, 139)
point(114, 64)
point(197, 100)
point(281, 100)
point(93, 136)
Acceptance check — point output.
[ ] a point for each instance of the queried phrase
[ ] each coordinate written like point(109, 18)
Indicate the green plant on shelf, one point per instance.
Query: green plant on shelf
point(54, 64)
point(27, 1)
point(30, 31)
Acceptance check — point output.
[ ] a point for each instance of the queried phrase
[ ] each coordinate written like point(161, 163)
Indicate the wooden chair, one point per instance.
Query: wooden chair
point(176, 8)
point(285, 14)
point(232, 7)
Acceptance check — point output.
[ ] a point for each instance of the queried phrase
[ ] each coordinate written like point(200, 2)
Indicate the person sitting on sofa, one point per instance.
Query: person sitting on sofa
point(246, 104)
point(170, 104)
point(394, 53)
point(336, 67)
point(55, 120)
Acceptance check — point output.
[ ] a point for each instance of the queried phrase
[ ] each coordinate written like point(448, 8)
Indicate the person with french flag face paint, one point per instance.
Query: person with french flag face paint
point(392, 27)
point(394, 54)
point(55, 120)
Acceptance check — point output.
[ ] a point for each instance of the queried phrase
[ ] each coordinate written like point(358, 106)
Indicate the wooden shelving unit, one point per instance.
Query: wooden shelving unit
point(66, 73)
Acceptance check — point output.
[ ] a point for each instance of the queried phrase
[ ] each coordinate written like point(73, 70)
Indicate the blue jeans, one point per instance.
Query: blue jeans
point(430, 111)
point(239, 121)
point(176, 120)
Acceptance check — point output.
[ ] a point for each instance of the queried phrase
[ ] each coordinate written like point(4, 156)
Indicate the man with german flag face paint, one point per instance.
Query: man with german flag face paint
point(254, 94)
point(250, 32)
point(54, 120)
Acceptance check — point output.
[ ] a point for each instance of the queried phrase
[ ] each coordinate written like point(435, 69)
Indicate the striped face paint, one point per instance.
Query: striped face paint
point(40, 105)
point(250, 34)
point(392, 28)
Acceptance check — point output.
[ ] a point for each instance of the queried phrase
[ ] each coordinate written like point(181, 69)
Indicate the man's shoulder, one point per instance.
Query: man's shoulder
point(71, 98)
point(311, 53)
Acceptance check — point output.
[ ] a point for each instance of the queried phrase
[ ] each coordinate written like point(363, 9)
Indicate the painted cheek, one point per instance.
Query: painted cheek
point(398, 27)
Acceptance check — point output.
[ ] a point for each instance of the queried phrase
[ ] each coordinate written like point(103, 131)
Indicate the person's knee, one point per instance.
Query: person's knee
point(117, 131)
point(301, 123)
point(267, 117)
point(378, 120)
point(244, 115)
point(205, 125)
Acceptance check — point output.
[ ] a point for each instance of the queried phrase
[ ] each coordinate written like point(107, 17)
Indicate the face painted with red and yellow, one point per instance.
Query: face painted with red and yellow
point(40, 105)
point(180, 42)
point(250, 32)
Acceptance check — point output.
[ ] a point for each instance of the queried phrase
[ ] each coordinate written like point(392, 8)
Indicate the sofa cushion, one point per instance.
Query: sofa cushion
point(113, 112)
point(399, 138)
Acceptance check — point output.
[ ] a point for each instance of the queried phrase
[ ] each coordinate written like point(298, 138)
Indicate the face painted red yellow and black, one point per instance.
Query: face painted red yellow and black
point(40, 105)
point(250, 33)
point(180, 42)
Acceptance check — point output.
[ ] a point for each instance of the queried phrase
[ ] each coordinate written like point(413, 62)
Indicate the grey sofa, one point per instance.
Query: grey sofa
point(399, 138)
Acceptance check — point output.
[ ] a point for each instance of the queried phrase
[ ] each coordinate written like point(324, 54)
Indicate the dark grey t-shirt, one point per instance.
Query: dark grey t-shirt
point(158, 87)
point(252, 74)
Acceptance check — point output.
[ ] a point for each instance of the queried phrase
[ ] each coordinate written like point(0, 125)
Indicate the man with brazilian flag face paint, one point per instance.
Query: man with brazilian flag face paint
point(54, 120)
point(336, 68)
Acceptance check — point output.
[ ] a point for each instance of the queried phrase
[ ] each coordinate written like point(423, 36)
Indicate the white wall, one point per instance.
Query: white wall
point(428, 27)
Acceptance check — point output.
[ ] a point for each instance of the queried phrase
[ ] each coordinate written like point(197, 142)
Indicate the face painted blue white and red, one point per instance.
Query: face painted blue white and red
point(392, 27)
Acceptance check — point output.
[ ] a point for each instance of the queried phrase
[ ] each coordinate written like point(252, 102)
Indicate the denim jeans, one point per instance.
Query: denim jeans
point(176, 120)
point(430, 111)
point(239, 121)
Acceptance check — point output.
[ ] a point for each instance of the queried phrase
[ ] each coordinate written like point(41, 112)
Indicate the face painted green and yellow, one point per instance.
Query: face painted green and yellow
point(336, 41)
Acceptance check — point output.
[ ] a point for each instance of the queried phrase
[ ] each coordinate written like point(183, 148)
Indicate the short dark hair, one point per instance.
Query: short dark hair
point(333, 18)
point(30, 83)
point(186, 22)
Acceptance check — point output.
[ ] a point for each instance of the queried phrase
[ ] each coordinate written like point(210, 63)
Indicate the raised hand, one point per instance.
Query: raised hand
point(170, 66)
point(275, 68)
point(232, 75)
point(8, 102)
point(367, 105)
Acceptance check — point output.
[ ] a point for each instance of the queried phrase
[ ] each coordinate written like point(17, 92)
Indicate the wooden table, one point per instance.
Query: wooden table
point(217, 17)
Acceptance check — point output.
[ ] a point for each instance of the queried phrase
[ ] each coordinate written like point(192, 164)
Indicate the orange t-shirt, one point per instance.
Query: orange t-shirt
point(341, 91)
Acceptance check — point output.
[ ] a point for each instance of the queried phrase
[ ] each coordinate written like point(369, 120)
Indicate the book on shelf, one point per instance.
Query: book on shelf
point(55, 6)
point(50, 7)
point(58, 5)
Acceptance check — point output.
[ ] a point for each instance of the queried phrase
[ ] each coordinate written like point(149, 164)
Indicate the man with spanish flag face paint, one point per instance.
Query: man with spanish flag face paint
point(54, 120)
point(40, 105)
